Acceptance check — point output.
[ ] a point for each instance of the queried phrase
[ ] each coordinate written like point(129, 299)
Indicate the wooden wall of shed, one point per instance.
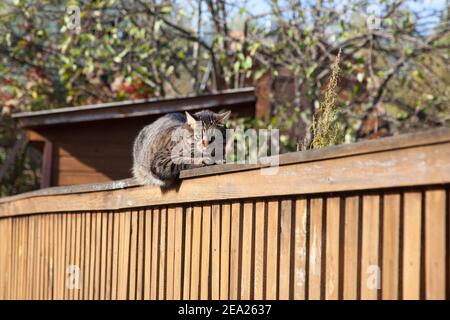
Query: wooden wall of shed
point(98, 151)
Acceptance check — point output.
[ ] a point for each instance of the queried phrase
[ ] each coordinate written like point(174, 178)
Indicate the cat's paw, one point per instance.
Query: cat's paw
point(200, 161)
point(208, 161)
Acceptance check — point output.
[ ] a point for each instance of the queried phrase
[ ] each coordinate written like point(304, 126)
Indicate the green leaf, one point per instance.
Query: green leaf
point(247, 63)
point(408, 51)
point(310, 70)
point(259, 73)
point(236, 66)
point(181, 54)
point(165, 9)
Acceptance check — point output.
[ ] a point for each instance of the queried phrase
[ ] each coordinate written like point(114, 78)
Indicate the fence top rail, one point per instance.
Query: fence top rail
point(382, 163)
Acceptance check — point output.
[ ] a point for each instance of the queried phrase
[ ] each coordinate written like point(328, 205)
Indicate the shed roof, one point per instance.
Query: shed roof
point(134, 108)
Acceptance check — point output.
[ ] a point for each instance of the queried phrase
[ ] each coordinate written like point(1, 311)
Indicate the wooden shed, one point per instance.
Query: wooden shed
point(93, 143)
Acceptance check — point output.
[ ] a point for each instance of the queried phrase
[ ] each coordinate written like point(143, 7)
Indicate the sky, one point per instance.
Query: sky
point(420, 6)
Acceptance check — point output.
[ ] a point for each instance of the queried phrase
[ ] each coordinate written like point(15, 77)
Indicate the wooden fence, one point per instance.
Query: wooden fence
point(363, 221)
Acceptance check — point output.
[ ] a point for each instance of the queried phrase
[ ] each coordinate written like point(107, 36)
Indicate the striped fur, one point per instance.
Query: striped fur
point(153, 161)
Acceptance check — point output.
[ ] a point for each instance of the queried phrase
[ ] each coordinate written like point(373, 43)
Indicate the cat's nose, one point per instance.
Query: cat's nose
point(204, 143)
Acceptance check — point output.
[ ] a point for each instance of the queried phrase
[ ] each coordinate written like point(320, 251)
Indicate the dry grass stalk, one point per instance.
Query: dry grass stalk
point(325, 130)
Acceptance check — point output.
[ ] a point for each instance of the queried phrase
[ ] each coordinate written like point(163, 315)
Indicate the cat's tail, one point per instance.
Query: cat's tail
point(144, 176)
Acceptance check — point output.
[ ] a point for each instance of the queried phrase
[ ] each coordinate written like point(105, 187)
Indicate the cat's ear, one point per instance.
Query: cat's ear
point(190, 119)
point(223, 117)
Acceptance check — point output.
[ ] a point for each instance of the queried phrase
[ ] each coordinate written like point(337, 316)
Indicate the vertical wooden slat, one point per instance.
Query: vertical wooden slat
point(285, 250)
point(23, 233)
point(92, 260)
point(205, 252)
point(12, 262)
point(25, 282)
point(247, 239)
point(124, 254)
point(148, 253)
point(73, 251)
point(370, 243)
point(260, 222)
point(196, 247)
point(22, 251)
point(435, 244)
point(87, 255)
point(350, 274)
point(315, 253)
point(391, 246)
point(31, 252)
point(140, 256)
point(98, 246)
point(29, 265)
point(67, 258)
point(63, 250)
point(272, 250)
point(109, 255)
point(11, 258)
point(64, 236)
point(332, 249)
point(49, 218)
point(56, 255)
point(115, 256)
point(2, 257)
point(40, 261)
point(132, 266)
point(162, 255)
point(170, 251)
point(301, 218)
point(121, 291)
point(52, 256)
point(13, 283)
point(8, 275)
point(19, 252)
point(77, 258)
point(38, 279)
point(187, 255)
point(3, 244)
point(234, 250)
point(19, 268)
point(61, 270)
point(225, 251)
point(82, 251)
point(103, 253)
point(47, 257)
point(215, 252)
point(412, 244)
point(46, 286)
point(178, 259)
point(155, 254)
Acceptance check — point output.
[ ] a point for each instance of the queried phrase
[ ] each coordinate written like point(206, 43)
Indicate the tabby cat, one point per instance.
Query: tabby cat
point(159, 151)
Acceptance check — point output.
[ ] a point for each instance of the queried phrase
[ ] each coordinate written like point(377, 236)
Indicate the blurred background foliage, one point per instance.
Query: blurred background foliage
point(393, 76)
